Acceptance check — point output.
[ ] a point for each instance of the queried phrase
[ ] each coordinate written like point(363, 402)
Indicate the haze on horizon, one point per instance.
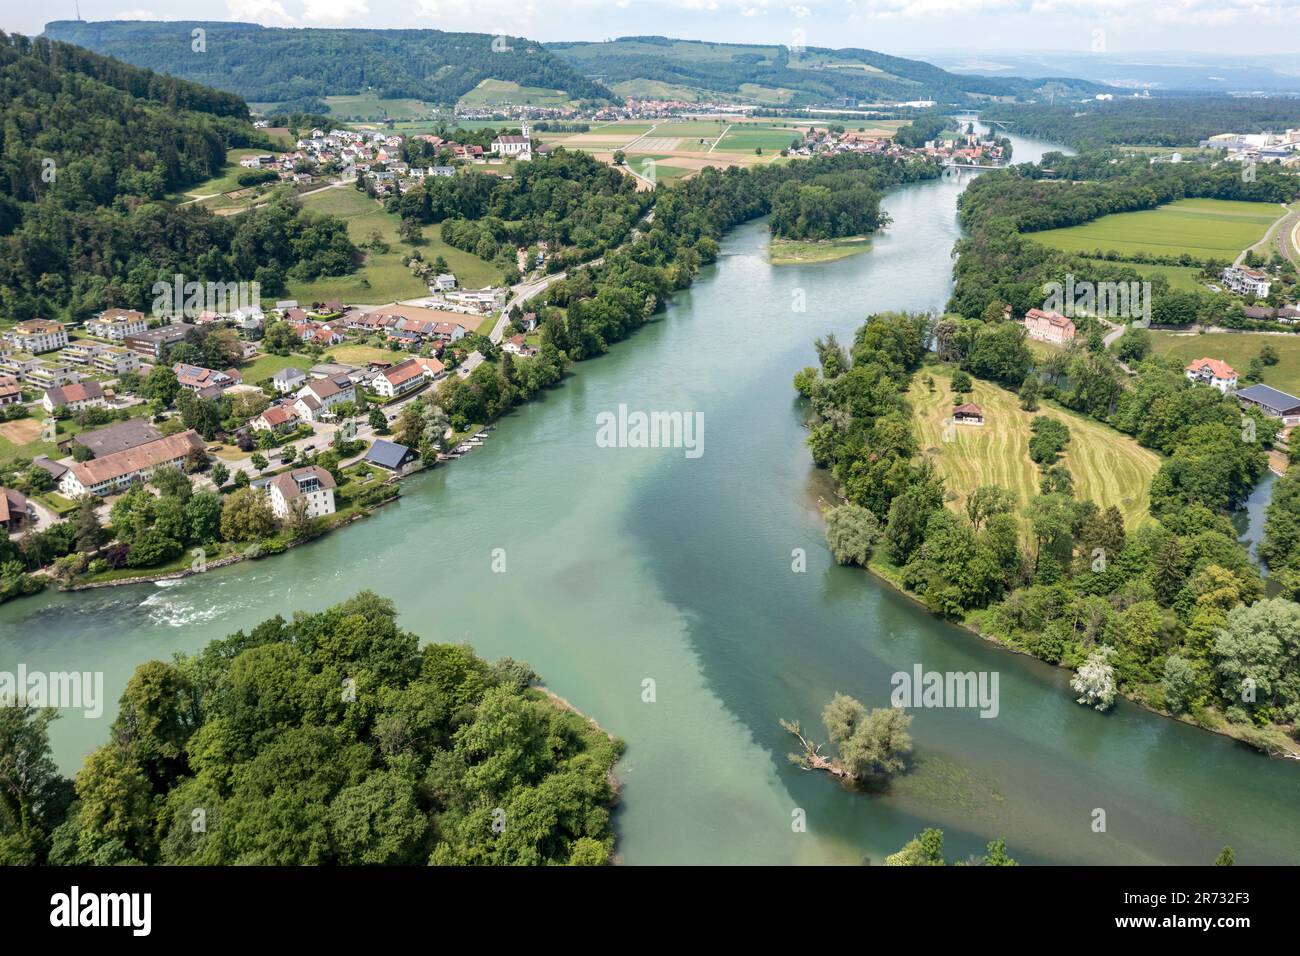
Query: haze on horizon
point(903, 27)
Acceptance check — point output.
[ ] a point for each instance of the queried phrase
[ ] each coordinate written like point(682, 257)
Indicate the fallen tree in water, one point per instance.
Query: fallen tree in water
point(870, 743)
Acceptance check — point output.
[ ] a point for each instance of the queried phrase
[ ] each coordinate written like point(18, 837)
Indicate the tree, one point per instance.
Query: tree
point(986, 501)
point(1257, 653)
point(1226, 857)
point(220, 473)
point(870, 744)
point(1094, 682)
point(160, 385)
point(851, 532)
point(258, 461)
point(378, 421)
point(1029, 394)
point(961, 383)
point(33, 795)
point(925, 849)
point(247, 516)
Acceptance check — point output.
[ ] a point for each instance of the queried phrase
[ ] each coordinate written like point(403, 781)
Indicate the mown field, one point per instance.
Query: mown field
point(1204, 228)
point(1180, 277)
point(227, 180)
point(1237, 349)
point(1108, 467)
point(492, 92)
point(368, 106)
point(746, 137)
point(381, 276)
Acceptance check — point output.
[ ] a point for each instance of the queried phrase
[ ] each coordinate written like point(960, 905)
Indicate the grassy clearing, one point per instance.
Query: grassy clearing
point(382, 277)
point(369, 106)
point(361, 354)
point(266, 365)
point(1204, 228)
point(21, 438)
point(746, 137)
point(1237, 349)
point(1180, 277)
point(785, 252)
point(1108, 467)
point(226, 180)
point(491, 92)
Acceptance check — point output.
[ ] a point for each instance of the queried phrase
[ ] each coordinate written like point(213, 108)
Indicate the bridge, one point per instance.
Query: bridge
point(951, 165)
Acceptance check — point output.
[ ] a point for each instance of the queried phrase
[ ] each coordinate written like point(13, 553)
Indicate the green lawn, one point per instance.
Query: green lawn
point(746, 137)
point(266, 365)
point(11, 449)
point(1204, 228)
point(382, 277)
point(1237, 349)
point(1108, 467)
point(227, 180)
point(492, 92)
point(368, 106)
point(691, 129)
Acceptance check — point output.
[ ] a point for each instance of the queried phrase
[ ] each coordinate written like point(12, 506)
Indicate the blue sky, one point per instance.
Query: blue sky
point(891, 26)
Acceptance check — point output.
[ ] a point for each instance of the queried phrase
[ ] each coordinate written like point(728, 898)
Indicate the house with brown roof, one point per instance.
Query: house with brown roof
point(1049, 327)
point(1212, 372)
point(196, 378)
point(75, 397)
point(400, 378)
point(312, 485)
point(968, 414)
point(112, 473)
point(11, 392)
point(15, 510)
point(274, 419)
point(116, 324)
point(318, 396)
point(39, 335)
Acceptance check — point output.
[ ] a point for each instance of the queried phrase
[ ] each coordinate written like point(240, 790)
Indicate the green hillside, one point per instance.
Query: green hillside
point(777, 76)
point(277, 65)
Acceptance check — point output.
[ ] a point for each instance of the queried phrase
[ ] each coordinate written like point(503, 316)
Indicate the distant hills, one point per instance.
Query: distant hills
point(775, 75)
point(302, 66)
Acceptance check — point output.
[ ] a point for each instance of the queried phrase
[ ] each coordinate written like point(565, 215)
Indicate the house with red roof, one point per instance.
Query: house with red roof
point(1212, 372)
point(1049, 327)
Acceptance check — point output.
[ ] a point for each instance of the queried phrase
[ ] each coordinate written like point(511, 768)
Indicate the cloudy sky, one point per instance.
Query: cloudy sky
point(891, 26)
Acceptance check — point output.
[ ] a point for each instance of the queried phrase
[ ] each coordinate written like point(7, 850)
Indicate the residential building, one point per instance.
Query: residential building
point(1049, 327)
point(11, 392)
point(1212, 372)
point(320, 395)
point(116, 324)
point(276, 418)
point(1272, 402)
point(196, 378)
point(15, 510)
point(75, 397)
point(51, 374)
point(82, 353)
point(1247, 281)
point(153, 343)
point(117, 361)
point(968, 414)
point(393, 457)
point(288, 380)
point(444, 282)
point(516, 345)
point(123, 436)
point(399, 379)
point(39, 335)
point(112, 473)
point(313, 485)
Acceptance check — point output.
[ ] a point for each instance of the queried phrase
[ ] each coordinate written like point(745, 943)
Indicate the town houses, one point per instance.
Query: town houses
point(1049, 327)
point(310, 488)
point(319, 396)
point(1212, 372)
point(38, 335)
point(113, 473)
point(74, 397)
point(116, 324)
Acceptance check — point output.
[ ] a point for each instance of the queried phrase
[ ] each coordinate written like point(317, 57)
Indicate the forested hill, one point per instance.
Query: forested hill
point(91, 152)
point(650, 65)
point(1143, 121)
point(272, 64)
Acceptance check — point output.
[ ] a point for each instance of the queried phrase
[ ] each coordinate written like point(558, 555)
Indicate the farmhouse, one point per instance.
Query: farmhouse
point(1049, 327)
point(1272, 402)
point(1212, 372)
point(313, 485)
point(968, 414)
point(116, 324)
point(39, 335)
point(103, 476)
point(74, 397)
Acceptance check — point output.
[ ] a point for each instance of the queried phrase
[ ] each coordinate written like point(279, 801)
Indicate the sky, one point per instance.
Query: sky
point(890, 26)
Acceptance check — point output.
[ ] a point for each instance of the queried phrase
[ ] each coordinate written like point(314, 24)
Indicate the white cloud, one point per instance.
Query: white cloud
point(267, 12)
point(136, 15)
point(333, 11)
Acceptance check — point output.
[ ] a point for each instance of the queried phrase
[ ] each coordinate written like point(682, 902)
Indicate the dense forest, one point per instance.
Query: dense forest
point(727, 67)
point(329, 738)
point(1172, 613)
point(999, 265)
point(91, 150)
point(1146, 121)
point(271, 64)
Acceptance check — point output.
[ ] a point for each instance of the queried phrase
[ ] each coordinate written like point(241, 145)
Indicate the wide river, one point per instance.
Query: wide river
point(632, 565)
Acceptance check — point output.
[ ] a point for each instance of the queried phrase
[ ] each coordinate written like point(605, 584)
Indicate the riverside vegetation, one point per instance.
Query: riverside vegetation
point(1173, 613)
point(330, 738)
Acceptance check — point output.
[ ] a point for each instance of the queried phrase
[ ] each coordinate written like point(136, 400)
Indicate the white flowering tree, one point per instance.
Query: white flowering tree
point(1094, 682)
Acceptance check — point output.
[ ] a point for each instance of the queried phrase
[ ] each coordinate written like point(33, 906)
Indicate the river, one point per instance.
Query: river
point(632, 565)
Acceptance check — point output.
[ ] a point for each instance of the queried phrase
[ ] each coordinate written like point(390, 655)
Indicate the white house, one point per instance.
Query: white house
point(1212, 372)
point(288, 380)
point(74, 397)
point(399, 379)
point(104, 476)
point(116, 324)
point(1247, 281)
point(445, 282)
point(39, 335)
point(313, 485)
point(318, 396)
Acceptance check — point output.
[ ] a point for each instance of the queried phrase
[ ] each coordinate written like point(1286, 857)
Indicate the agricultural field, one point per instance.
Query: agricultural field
point(382, 277)
point(1180, 277)
point(1237, 349)
point(1108, 467)
point(769, 137)
point(21, 438)
point(642, 88)
point(368, 106)
point(1203, 228)
point(227, 180)
point(493, 92)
